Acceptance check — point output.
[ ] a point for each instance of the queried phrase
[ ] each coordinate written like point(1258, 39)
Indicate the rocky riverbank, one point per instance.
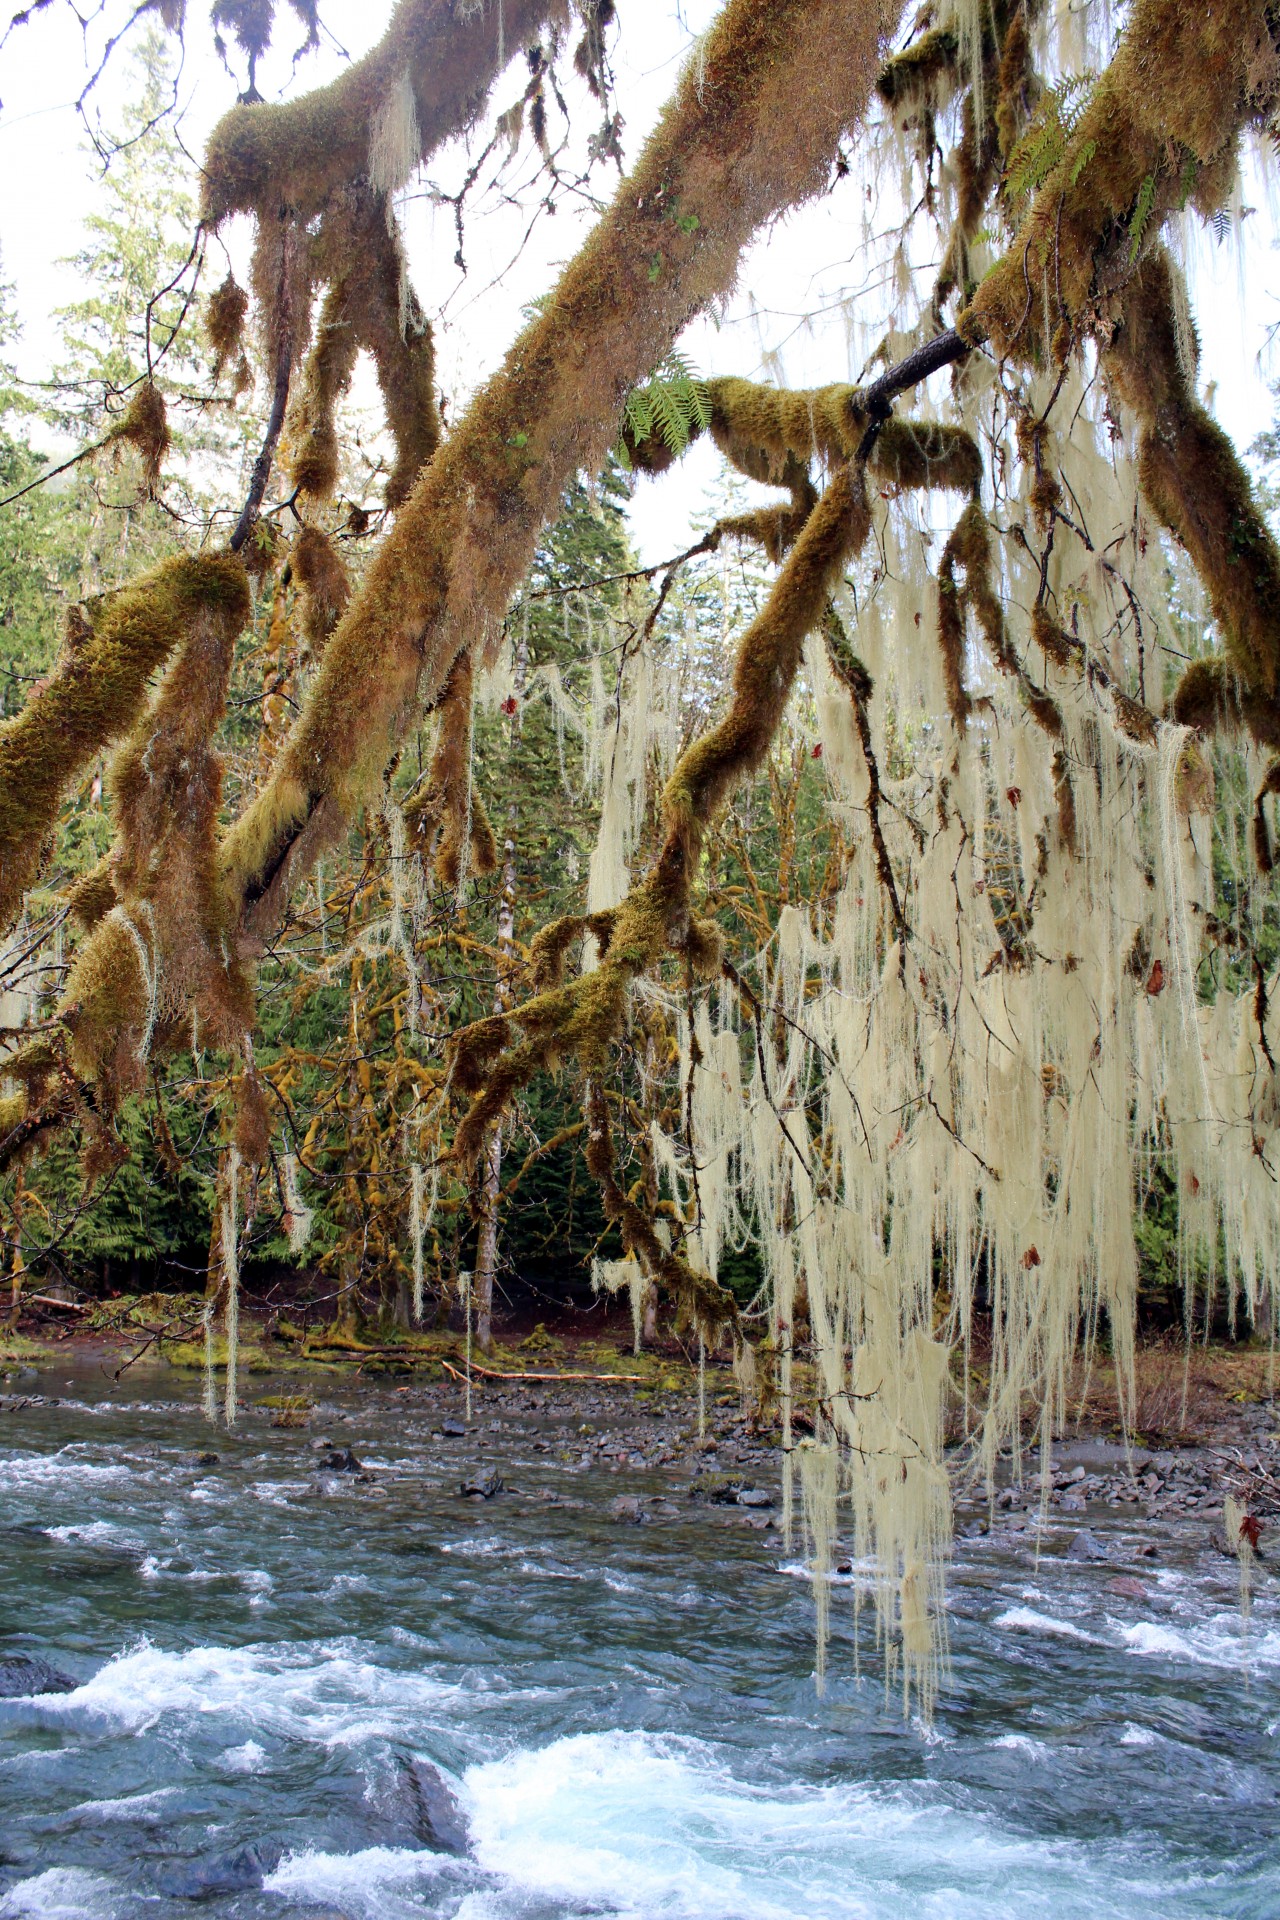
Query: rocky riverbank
point(682, 1457)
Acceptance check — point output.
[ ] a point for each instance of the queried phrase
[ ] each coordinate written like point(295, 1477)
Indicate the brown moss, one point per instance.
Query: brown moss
point(93, 894)
point(1212, 696)
point(303, 149)
point(927, 454)
point(325, 584)
point(144, 426)
point(1171, 105)
point(93, 696)
point(253, 1120)
point(772, 433)
point(166, 784)
point(751, 131)
point(368, 305)
point(330, 365)
point(224, 318)
point(924, 75)
point(1191, 475)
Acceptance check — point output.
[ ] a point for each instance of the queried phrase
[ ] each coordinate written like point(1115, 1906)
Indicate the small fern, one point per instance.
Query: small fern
point(1044, 143)
point(1141, 214)
point(671, 405)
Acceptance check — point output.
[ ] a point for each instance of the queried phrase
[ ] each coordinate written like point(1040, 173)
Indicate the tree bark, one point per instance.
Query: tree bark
point(491, 1157)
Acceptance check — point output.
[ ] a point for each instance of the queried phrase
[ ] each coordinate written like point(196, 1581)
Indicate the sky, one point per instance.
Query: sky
point(798, 313)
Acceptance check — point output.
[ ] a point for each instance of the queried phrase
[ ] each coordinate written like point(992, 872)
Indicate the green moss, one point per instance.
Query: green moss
point(307, 148)
point(93, 696)
point(1183, 83)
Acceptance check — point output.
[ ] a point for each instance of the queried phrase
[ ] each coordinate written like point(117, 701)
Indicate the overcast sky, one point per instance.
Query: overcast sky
point(800, 312)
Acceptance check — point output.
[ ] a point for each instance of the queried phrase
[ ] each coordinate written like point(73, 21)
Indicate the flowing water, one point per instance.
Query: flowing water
point(627, 1712)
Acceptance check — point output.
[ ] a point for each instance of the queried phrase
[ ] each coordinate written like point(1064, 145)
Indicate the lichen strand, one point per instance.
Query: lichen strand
point(299, 151)
point(447, 821)
point(1161, 127)
point(585, 1016)
point(751, 130)
point(1191, 475)
point(92, 697)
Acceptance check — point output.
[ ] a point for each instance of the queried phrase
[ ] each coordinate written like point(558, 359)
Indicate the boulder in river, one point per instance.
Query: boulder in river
point(339, 1460)
point(628, 1507)
point(22, 1674)
point(453, 1429)
point(483, 1484)
point(240, 1872)
point(437, 1816)
point(1087, 1546)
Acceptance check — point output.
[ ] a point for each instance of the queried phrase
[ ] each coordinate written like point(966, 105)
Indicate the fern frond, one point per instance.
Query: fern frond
point(671, 405)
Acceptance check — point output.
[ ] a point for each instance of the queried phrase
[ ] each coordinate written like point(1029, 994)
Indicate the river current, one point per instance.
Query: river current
point(627, 1713)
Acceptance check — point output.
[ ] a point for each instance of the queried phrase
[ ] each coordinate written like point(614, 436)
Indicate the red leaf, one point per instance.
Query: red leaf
point(1155, 979)
point(817, 752)
point(1014, 796)
point(1031, 1258)
point(509, 704)
point(1251, 1530)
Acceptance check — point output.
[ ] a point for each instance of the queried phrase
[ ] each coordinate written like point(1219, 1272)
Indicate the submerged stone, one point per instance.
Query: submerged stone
point(339, 1460)
point(438, 1818)
point(24, 1674)
point(240, 1872)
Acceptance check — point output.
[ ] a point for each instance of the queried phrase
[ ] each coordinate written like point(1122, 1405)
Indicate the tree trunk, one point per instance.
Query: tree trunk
point(491, 1157)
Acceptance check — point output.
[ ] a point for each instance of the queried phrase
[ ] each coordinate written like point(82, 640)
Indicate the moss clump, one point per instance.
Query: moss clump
point(751, 131)
point(224, 318)
point(1166, 113)
point(304, 149)
point(325, 586)
point(91, 697)
point(144, 426)
point(1193, 478)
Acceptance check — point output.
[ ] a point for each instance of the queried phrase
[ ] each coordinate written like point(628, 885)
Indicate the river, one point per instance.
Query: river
point(627, 1712)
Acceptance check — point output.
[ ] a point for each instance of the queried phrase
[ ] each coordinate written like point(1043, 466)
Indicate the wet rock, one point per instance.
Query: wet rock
point(1073, 1503)
point(1125, 1584)
point(482, 1485)
point(206, 1459)
point(339, 1460)
point(438, 1819)
point(629, 1508)
point(240, 1872)
point(1087, 1546)
point(453, 1429)
point(754, 1497)
point(22, 1674)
